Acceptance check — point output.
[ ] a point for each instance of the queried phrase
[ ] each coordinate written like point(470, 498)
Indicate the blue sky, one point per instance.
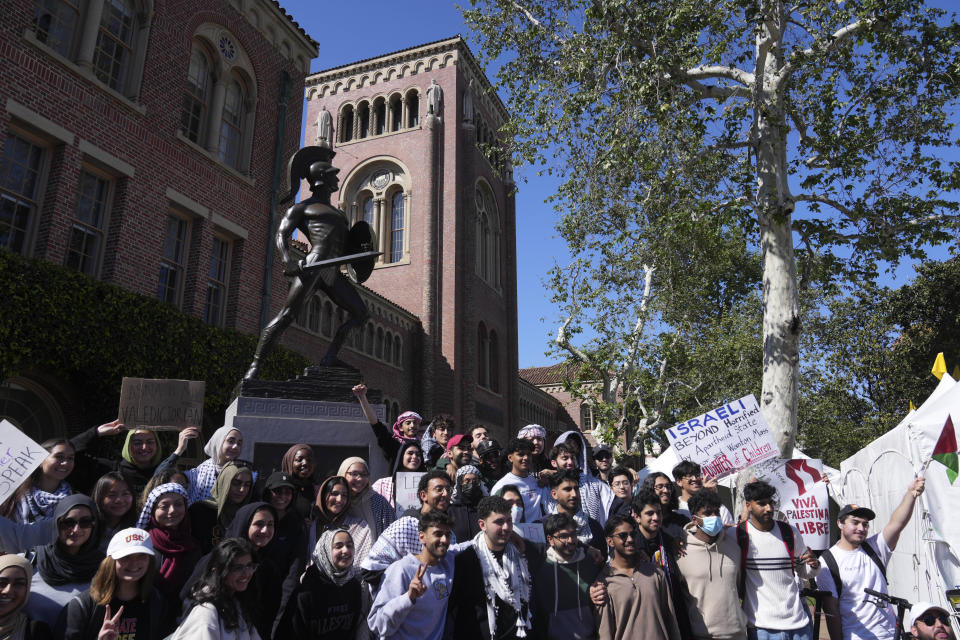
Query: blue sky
point(347, 32)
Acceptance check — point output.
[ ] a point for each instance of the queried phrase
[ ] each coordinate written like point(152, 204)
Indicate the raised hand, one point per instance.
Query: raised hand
point(185, 436)
point(360, 390)
point(417, 588)
point(110, 428)
point(917, 486)
point(108, 630)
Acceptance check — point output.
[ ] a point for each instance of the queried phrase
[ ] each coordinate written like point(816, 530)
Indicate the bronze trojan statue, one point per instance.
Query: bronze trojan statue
point(332, 245)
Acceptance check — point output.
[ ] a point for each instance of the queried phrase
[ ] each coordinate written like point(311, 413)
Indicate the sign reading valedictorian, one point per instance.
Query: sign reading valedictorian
point(803, 497)
point(161, 404)
point(726, 439)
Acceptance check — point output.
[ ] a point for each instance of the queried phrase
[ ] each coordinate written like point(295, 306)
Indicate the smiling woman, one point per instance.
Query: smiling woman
point(15, 575)
point(37, 498)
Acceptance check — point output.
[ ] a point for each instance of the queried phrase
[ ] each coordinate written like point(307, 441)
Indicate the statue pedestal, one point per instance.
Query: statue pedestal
point(317, 408)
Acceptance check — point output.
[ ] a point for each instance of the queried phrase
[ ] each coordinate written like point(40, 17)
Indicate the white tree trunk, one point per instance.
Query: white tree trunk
point(781, 307)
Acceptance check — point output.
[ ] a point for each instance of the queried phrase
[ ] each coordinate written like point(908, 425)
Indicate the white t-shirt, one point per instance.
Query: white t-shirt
point(772, 594)
point(530, 491)
point(725, 515)
point(862, 619)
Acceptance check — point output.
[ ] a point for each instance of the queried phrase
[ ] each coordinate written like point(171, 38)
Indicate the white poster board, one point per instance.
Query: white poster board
point(803, 497)
point(725, 440)
point(19, 456)
point(532, 531)
point(406, 489)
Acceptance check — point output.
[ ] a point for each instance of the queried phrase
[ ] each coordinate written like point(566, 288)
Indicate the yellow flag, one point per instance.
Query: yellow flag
point(912, 408)
point(939, 366)
point(956, 372)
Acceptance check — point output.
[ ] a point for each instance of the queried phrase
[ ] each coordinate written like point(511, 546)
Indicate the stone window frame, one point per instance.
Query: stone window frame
point(487, 262)
point(488, 358)
point(46, 149)
point(219, 42)
point(380, 177)
point(75, 224)
point(198, 48)
point(85, 34)
point(182, 266)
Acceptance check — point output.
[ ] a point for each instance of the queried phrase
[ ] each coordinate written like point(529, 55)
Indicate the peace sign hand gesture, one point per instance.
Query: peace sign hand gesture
point(109, 629)
point(417, 588)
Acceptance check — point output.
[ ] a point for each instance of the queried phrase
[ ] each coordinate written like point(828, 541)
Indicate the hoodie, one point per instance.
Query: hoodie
point(711, 570)
point(432, 450)
point(563, 606)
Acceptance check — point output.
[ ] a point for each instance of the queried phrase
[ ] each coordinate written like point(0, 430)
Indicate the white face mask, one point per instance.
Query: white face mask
point(516, 513)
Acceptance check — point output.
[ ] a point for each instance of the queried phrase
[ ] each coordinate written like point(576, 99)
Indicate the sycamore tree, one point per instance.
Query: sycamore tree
point(815, 128)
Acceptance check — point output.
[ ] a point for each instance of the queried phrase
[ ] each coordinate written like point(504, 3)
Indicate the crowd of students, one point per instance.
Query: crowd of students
point(214, 552)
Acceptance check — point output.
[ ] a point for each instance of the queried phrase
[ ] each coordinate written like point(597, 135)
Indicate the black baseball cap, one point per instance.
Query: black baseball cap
point(601, 449)
point(279, 479)
point(857, 511)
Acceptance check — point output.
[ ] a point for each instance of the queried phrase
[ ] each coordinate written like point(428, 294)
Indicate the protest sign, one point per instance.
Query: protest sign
point(532, 531)
point(803, 497)
point(406, 489)
point(19, 456)
point(725, 440)
point(161, 404)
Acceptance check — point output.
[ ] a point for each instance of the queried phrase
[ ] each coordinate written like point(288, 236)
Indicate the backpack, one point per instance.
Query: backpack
point(831, 563)
point(786, 532)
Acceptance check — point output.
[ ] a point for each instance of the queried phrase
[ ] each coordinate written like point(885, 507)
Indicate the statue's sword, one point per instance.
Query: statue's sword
point(336, 262)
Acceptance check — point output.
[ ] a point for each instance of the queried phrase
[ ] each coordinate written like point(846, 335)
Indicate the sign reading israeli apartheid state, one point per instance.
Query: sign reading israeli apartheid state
point(803, 497)
point(725, 440)
point(407, 495)
point(19, 456)
point(161, 404)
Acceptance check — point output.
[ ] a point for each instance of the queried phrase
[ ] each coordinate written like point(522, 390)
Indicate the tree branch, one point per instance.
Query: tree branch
point(816, 197)
point(820, 46)
point(708, 71)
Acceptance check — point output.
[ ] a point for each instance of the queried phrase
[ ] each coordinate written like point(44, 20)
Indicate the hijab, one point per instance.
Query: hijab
point(459, 496)
point(325, 515)
point(55, 564)
point(215, 443)
point(157, 455)
point(226, 510)
point(174, 544)
point(14, 625)
point(286, 464)
point(323, 558)
point(240, 526)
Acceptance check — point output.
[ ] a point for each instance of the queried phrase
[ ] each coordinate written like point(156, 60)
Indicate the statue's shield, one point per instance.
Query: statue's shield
point(361, 239)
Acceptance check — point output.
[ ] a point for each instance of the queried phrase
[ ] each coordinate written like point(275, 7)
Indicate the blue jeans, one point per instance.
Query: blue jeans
point(803, 633)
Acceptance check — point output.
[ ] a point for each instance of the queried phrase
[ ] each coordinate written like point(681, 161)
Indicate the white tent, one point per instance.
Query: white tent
point(925, 562)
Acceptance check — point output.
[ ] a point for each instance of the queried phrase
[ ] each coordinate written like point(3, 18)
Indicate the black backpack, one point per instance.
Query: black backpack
point(831, 563)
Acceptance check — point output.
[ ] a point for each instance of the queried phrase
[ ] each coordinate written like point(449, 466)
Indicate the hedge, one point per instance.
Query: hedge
point(90, 335)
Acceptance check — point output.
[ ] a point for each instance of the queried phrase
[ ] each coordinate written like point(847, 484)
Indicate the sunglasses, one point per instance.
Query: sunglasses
point(626, 535)
point(930, 619)
point(69, 523)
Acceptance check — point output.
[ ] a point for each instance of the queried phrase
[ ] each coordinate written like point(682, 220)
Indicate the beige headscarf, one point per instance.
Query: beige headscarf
point(14, 625)
point(361, 504)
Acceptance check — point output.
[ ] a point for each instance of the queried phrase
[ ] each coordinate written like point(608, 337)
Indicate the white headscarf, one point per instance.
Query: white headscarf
point(213, 446)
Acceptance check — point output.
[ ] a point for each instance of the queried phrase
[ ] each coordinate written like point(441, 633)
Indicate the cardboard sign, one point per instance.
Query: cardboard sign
point(532, 531)
point(19, 456)
point(161, 405)
point(406, 490)
point(723, 441)
point(803, 497)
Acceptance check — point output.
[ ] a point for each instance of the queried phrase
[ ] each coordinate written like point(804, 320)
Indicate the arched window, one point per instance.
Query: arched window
point(378, 352)
point(482, 350)
point(493, 353)
point(231, 124)
point(396, 410)
point(397, 352)
point(396, 112)
point(55, 24)
point(326, 327)
point(388, 347)
point(367, 208)
point(193, 120)
point(487, 237)
point(346, 124)
point(413, 108)
point(368, 342)
point(396, 226)
point(363, 116)
point(379, 116)
point(586, 417)
point(113, 54)
point(313, 315)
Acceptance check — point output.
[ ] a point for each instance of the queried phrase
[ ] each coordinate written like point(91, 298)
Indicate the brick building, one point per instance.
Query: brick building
point(414, 136)
point(546, 397)
point(140, 147)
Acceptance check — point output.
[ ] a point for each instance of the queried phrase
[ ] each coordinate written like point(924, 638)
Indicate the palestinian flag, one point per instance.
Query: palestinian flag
point(946, 451)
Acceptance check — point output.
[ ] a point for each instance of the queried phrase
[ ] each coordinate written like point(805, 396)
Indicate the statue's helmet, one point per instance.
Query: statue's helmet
point(309, 163)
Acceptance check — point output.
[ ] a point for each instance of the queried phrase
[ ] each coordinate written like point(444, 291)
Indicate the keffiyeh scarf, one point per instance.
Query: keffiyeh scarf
point(510, 581)
point(322, 557)
point(39, 504)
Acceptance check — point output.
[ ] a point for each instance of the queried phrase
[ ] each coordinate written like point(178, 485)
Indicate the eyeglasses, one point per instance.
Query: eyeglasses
point(626, 535)
point(693, 475)
point(563, 535)
point(661, 487)
point(620, 484)
point(244, 568)
point(931, 618)
point(69, 523)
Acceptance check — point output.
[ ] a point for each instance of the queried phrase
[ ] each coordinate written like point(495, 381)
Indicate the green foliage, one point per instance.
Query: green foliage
point(90, 335)
point(869, 354)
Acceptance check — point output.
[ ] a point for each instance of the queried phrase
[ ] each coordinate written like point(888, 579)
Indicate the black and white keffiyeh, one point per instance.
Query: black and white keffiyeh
point(399, 539)
point(509, 579)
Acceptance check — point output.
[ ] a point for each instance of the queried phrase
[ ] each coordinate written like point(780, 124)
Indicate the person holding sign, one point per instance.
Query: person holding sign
point(772, 554)
point(412, 601)
point(37, 497)
point(409, 458)
point(691, 480)
point(15, 576)
point(858, 561)
point(121, 600)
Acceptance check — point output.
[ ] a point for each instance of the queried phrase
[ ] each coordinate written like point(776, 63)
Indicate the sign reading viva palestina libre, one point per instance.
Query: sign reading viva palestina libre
point(725, 440)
